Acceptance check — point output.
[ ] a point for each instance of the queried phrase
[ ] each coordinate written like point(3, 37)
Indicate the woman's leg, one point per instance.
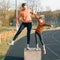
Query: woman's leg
point(18, 32)
point(29, 26)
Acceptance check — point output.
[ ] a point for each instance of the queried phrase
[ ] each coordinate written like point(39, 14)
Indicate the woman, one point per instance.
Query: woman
point(25, 14)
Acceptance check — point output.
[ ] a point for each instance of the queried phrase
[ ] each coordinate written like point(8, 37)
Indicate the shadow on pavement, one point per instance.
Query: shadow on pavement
point(16, 52)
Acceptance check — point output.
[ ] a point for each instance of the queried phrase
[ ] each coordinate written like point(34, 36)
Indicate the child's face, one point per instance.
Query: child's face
point(41, 21)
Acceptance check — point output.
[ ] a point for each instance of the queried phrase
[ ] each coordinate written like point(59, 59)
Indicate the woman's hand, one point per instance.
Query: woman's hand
point(17, 26)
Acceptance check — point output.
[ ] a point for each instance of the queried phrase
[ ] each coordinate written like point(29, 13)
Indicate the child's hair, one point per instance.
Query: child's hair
point(23, 4)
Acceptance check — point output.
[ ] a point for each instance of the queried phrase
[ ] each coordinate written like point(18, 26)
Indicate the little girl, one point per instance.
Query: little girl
point(39, 31)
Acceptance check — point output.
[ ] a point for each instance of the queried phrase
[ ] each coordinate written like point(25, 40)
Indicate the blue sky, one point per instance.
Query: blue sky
point(52, 4)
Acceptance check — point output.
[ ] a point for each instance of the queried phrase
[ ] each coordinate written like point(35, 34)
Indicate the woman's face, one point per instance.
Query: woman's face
point(25, 7)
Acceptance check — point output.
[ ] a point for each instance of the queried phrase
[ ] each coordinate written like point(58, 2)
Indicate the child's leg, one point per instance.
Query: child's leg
point(44, 49)
point(36, 41)
point(36, 38)
point(40, 38)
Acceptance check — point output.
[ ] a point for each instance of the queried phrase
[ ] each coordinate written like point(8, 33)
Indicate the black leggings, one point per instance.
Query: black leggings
point(40, 38)
point(23, 25)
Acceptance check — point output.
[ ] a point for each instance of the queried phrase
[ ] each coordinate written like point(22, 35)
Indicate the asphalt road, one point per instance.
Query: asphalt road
point(51, 39)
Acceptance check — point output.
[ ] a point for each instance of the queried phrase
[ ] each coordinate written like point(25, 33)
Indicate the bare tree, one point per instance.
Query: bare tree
point(5, 5)
point(34, 4)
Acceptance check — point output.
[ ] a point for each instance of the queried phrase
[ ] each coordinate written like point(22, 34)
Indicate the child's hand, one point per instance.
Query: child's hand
point(51, 25)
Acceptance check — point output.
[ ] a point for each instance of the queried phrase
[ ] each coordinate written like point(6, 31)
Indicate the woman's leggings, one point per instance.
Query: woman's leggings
point(23, 25)
point(40, 38)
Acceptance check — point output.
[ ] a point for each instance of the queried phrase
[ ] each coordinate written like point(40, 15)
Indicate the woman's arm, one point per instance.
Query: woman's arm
point(35, 15)
point(17, 19)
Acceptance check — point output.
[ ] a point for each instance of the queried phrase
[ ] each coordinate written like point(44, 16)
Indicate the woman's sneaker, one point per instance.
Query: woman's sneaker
point(28, 48)
point(11, 43)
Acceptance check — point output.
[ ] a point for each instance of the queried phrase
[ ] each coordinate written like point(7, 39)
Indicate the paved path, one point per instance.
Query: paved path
point(51, 39)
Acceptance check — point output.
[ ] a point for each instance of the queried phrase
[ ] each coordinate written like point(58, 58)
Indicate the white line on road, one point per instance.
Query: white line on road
point(53, 52)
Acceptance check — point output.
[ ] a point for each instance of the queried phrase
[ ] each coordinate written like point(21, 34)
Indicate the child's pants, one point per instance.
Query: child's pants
point(23, 25)
point(40, 38)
